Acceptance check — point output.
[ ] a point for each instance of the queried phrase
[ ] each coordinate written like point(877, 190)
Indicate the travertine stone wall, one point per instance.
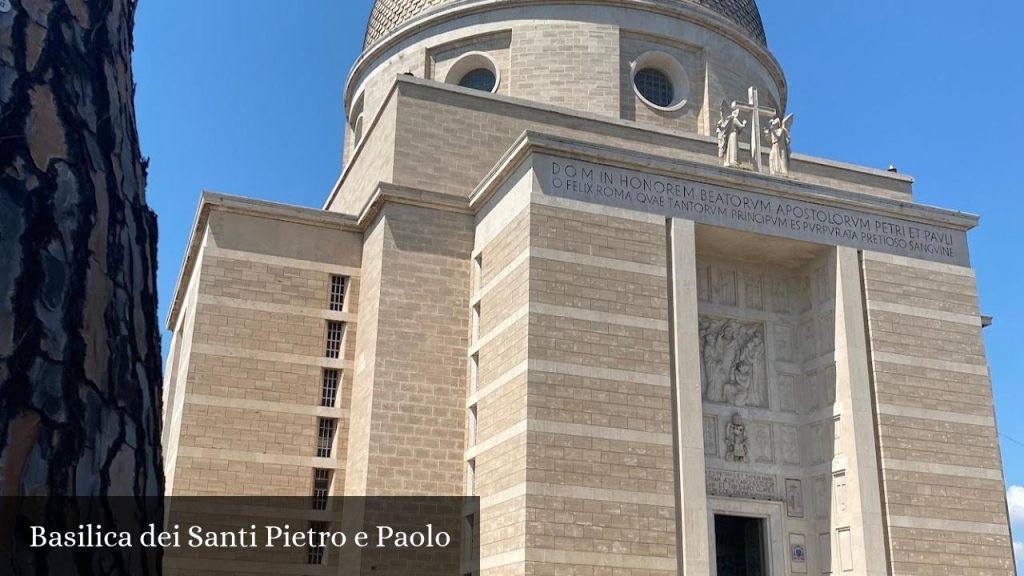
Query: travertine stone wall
point(600, 449)
point(942, 482)
point(372, 159)
point(497, 448)
point(495, 46)
point(479, 129)
point(576, 57)
point(570, 64)
point(250, 402)
point(572, 451)
point(410, 383)
point(364, 373)
point(632, 45)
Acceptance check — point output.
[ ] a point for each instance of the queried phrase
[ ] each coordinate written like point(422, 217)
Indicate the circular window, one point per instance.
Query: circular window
point(479, 79)
point(655, 86)
point(660, 81)
point(357, 130)
point(474, 70)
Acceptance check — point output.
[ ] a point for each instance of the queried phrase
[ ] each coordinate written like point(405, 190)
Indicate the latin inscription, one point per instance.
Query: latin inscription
point(741, 485)
point(749, 211)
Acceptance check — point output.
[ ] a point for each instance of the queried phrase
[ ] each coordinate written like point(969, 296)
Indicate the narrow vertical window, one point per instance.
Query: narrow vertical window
point(325, 438)
point(315, 554)
point(338, 285)
point(476, 324)
point(335, 332)
point(474, 373)
point(470, 553)
point(321, 488)
point(478, 272)
point(329, 388)
point(472, 426)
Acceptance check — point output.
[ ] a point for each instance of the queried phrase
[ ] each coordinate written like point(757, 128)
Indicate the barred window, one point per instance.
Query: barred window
point(325, 438)
point(315, 554)
point(655, 86)
point(329, 389)
point(338, 285)
point(321, 488)
point(335, 332)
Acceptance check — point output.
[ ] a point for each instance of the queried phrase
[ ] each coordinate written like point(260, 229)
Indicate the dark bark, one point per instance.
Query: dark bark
point(80, 366)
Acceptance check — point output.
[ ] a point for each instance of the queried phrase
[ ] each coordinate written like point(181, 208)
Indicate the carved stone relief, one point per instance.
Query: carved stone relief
point(813, 398)
point(839, 490)
point(801, 288)
point(789, 395)
point(827, 332)
point(794, 498)
point(830, 384)
point(790, 438)
point(825, 547)
point(733, 361)
point(753, 291)
point(780, 296)
point(817, 449)
point(704, 283)
point(784, 342)
point(821, 497)
point(711, 436)
point(823, 286)
point(760, 444)
point(724, 287)
point(737, 448)
point(807, 339)
point(845, 549)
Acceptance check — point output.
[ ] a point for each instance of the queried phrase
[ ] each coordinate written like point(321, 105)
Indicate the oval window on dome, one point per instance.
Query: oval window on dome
point(655, 86)
point(479, 79)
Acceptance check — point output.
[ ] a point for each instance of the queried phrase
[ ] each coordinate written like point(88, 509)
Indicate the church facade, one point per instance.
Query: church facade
point(571, 267)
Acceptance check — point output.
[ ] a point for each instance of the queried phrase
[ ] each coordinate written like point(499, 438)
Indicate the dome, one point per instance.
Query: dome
point(390, 14)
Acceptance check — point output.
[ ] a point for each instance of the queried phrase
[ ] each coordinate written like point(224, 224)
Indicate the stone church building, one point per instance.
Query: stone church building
point(570, 267)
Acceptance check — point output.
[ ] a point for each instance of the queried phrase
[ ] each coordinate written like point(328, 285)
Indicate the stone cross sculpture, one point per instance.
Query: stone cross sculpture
point(780, 135)
point(729, 129)
point(753, 106)
point(736, 440)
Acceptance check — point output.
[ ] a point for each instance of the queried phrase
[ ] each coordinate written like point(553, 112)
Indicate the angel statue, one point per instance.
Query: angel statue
point(779, 132)
point(729, 129)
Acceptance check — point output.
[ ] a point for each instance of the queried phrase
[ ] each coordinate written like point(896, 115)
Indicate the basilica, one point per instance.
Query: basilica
point(573, 267)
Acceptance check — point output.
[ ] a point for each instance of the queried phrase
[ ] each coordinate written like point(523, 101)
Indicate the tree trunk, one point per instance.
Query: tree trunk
point(80, 365)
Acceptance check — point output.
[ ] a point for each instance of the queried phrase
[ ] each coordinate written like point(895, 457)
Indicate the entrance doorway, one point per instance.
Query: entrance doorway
point(740, 546)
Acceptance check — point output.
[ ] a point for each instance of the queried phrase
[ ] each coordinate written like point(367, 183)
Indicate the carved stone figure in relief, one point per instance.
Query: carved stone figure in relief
point(732, 355)
point(730, 127)
point(736, 441)
point(780, 135)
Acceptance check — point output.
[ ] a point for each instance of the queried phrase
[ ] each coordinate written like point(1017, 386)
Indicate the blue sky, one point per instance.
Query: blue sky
point(245, 97)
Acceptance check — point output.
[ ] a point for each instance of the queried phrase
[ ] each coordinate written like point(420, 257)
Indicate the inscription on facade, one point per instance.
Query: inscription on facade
point(741, 485)
point(750, 211)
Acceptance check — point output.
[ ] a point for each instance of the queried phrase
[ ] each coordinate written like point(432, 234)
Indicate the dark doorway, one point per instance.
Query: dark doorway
point(740, 546)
